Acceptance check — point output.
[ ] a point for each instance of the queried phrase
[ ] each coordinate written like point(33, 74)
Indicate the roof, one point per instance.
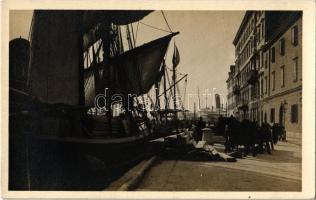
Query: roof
point(285, 23)
point(242, 26)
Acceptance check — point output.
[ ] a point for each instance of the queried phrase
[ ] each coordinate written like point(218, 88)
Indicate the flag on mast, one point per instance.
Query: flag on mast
point(176, 56)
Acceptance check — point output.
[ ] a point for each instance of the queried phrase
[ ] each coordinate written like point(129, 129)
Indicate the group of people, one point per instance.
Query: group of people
point(254, 138)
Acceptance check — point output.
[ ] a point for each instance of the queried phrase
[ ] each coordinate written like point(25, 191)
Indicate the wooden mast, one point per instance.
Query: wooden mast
point(105, 36)
point(81, 101)
point(165, 88)
point(174, 90)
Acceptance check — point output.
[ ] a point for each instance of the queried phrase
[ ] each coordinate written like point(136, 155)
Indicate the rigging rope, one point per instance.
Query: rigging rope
point(166, 21)
point(171, 93)
point(136, 33)
point(29, 37)
point(185, 90)
point(154, 27)
point(176, 71)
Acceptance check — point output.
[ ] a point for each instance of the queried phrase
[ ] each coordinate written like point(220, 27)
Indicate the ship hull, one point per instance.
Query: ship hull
point(54, 163)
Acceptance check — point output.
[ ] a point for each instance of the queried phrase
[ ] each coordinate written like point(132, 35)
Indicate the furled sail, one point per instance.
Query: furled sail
point(92, 19)
point(175, 57)
point(140, 68)
point(55, 60)
point(119, 17)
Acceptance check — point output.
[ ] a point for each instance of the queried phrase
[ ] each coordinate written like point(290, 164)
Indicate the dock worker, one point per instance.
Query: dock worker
point(266, 133)
point(227, 135)
point(200, 126)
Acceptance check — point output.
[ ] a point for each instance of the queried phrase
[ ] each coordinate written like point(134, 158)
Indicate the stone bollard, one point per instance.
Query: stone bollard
point(208, 135)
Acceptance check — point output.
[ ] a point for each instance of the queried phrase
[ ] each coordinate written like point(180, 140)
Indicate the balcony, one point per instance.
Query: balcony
point(243, 105)
point(236, 89)
point(253, 77)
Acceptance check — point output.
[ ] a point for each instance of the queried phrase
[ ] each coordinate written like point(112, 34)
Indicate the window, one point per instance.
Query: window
point(262, 58)
point(294, 35)
point(282, 76)
point(263, 29)
point(266, 61)
point(294, 113)
point(261, 86)
point(295, 69)
point(272, 111)
point(273, 80)
point(282, 46)
point(266, 80)
point(273, 55)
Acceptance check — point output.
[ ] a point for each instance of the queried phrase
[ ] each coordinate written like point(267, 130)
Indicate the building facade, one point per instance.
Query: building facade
point(266, 82)
point(230, 94)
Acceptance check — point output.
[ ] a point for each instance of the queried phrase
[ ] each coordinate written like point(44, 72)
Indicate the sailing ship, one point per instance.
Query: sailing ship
point(81, 105)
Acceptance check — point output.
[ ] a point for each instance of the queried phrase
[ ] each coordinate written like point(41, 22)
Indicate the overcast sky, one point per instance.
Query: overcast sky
point(204, 43)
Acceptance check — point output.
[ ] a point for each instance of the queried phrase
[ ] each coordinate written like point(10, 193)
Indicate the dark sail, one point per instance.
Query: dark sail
point(57, 42)
point(55, 59)
point(140, 68)
point(133, 72)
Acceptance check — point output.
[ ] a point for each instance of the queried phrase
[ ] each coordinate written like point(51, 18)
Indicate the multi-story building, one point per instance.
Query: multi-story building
point(266, 82)
point(230, 94)
point(282, 102)
point(249, 38)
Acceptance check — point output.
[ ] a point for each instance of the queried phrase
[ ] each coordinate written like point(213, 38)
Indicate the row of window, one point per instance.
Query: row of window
point(294, 42)
point(246, 53)
point(249, 28)
point(282, 74)
point(282, 77)
point(245, 35)
point(263, 87)
point(294, 114)
point(260, 32)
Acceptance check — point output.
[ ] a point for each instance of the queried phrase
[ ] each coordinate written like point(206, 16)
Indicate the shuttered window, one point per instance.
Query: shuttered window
point(282, 46)
point(294, 35)
point(282, 76)
point(295, 69)
point(273, 55)
point(273, 80)
point(266, 81)
point(294, 113)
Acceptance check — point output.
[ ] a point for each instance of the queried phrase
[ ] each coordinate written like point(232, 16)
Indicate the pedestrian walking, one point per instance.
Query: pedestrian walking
point(227, 135)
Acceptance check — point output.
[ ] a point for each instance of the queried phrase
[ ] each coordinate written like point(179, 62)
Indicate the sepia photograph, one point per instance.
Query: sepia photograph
point(156, 100)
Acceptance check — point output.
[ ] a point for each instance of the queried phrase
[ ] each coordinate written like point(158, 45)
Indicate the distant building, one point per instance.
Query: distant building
point(266, 82)
point(211, 115)
point(19, 54)
point(230, 93)
point(217, 101)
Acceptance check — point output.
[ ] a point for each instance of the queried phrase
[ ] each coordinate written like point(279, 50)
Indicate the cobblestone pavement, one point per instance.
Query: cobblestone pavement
point(280, 171)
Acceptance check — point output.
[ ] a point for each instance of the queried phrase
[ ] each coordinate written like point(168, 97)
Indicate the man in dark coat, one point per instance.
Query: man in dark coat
point(275, 132)
point(266, 136)
point(200, 126)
